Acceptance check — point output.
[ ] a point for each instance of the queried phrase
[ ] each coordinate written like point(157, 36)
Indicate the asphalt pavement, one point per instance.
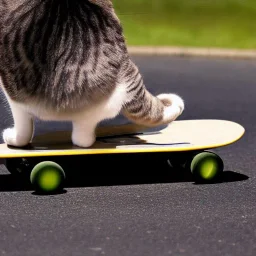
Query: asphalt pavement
point(107, 210)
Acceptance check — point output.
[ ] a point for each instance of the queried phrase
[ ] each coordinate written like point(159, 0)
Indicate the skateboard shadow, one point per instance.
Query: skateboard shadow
point(115, 170)
point(226, 177)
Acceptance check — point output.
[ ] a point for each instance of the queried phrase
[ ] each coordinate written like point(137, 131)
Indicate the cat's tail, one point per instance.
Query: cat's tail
point(143, 108)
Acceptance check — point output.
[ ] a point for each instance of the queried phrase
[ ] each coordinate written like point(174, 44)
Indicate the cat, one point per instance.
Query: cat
point(67, 60)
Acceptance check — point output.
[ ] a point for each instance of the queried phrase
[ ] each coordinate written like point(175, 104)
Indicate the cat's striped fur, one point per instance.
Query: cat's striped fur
point(67, 60)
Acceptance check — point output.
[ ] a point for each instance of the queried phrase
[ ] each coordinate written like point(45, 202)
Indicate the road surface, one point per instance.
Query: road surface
point(109, 211)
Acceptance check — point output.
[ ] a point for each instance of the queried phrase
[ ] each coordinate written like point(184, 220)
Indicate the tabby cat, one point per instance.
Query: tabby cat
point(67, 60)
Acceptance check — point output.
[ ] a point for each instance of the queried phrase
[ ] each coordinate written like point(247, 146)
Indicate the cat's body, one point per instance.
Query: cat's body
point(67, 60)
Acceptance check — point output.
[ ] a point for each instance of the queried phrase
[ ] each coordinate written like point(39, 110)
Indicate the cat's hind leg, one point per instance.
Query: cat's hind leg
point(142, 107)
point(22, 132)
point(173, 106)
point(152, 110)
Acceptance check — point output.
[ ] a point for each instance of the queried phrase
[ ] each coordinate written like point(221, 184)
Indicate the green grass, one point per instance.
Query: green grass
point(195, 23)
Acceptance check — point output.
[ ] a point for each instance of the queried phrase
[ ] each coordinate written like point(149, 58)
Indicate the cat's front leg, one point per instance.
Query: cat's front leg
point(83, 134)
point(22, 132)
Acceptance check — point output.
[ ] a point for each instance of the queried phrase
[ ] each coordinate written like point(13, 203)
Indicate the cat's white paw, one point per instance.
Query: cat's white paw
point(12, 138)
point(172, 100)
point(174, 106)
point(83, 141)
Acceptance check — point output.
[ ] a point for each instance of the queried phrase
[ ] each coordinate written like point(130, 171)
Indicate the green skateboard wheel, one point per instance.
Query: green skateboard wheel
point(206, 166)
point(47, 177)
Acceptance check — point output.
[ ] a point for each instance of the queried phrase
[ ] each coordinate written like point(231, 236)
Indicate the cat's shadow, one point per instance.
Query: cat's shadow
point(119, 170)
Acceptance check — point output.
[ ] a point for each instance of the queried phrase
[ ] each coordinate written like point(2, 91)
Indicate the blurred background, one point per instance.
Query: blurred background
point(193, 23)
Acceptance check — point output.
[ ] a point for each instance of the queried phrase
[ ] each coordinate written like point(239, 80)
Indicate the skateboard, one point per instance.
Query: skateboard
point(187, 143)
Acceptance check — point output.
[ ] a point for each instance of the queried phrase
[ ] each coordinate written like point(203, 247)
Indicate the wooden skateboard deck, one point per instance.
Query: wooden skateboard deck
point(182, 135)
